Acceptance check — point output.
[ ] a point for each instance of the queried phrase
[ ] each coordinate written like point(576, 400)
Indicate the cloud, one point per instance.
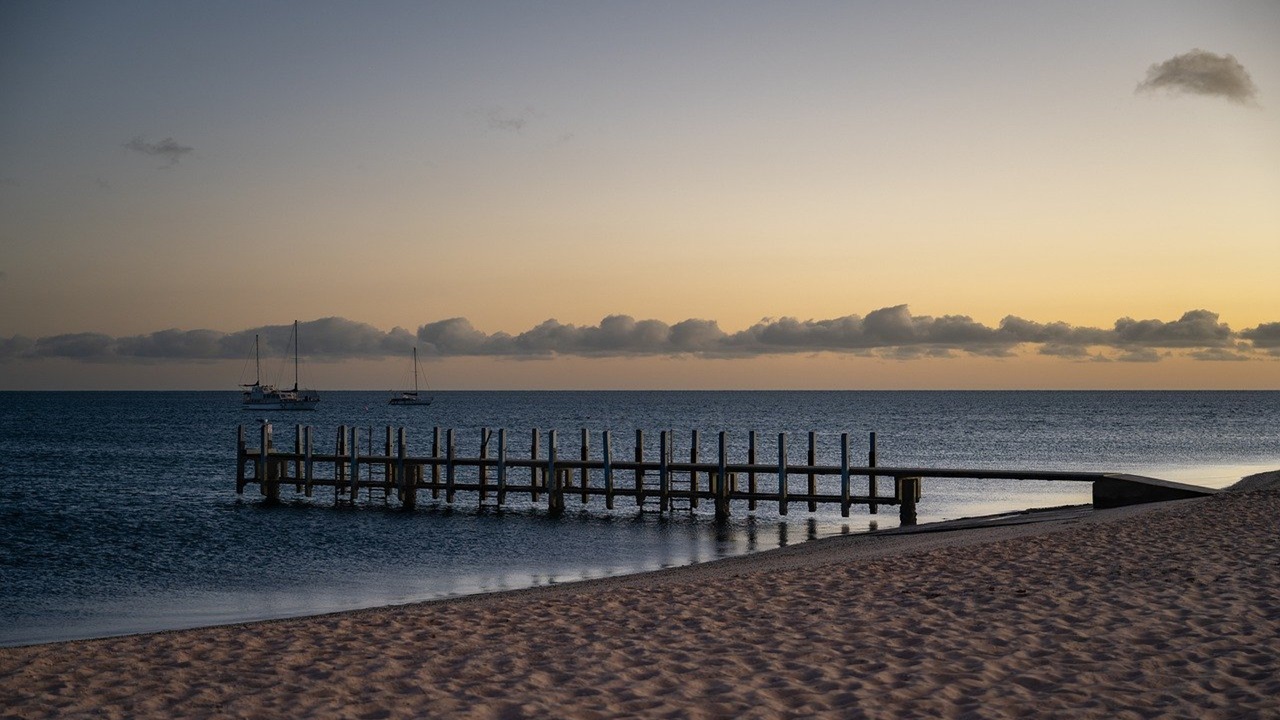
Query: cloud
point(497, 118)
point(1201, 73)
point(1196, 328)
point(168, 148)
point(1219, 355)
point(1140, 355)
point(1266, 335)
point(890, 333)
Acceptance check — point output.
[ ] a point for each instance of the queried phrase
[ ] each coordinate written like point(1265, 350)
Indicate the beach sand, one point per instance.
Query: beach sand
point(1171, 609)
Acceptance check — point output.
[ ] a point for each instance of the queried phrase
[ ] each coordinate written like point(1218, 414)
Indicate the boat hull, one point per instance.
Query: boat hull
point(282, 405)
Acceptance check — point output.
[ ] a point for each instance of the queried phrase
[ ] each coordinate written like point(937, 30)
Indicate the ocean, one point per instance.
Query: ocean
point(118, 511)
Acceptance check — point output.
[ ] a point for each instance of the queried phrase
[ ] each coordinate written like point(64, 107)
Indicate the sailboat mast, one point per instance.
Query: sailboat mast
point(257, 362)
point(415, 370)
point(295, 356)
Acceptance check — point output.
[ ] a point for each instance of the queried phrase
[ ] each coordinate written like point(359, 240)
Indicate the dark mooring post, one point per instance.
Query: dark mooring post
point(533, 469)
point(586, 455)
point(871, 480)
point(664, 471)
point(555, 493)
point(355, 464)
point(408, 482)
point(813, 479)
point(339, 463)
point(908, 495)
point(449, 450)
point(240, 459)
point(721, 485)
point(782, 473)
point(297, 459)
point(388, 468)
point(606, 456)
point(844, 474)
point(639, 470)
point(751, 474)
point(308, 463)
point(502, 466)
point(484, 468)
point(435, 466)
point(693, 474)
point(270, 474)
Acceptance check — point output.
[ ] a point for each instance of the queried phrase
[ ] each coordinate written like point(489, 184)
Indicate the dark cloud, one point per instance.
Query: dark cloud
point(1201, 73)
point(1219, 355)
point(16, 346)
point(892, 332)
point(1266, 335)
point(81, 346)
point(1140, 355)
point(168, 148)
point(1196, 328)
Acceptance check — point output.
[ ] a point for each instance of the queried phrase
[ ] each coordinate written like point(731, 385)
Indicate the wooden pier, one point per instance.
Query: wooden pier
point(550, 472)
point(557, 473)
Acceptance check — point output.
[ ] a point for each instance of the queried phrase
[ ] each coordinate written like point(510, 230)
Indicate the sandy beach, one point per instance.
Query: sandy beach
point(1164, 610)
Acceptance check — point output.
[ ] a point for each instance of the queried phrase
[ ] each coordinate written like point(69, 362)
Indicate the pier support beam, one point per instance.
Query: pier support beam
point(908, 495)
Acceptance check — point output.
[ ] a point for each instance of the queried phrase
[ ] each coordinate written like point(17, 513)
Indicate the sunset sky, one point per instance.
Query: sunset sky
point(693, 194)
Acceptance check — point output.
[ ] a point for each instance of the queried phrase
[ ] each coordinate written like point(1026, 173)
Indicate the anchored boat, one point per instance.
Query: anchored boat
point(411, 397)
point(268, 397)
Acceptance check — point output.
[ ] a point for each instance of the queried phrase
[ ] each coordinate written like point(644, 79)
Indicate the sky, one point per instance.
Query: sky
point(641, 195)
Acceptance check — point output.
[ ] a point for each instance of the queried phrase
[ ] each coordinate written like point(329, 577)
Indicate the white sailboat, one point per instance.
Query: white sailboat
point(411, 397)
point(268, 397)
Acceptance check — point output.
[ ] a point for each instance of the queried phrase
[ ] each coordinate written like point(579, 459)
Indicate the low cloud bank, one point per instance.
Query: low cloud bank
point(890, 333)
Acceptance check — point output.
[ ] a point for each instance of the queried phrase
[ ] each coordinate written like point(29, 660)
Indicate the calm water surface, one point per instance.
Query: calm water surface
point(119, 511)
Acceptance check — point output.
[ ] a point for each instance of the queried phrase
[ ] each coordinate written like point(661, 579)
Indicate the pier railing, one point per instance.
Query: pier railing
point(497, 470)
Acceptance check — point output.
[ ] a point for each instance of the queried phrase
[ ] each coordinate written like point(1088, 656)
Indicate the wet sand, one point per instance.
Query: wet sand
point(1171, 609)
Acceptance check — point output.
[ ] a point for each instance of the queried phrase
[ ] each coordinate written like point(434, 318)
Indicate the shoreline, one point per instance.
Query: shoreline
point(1096, 612)
point(1015, 517)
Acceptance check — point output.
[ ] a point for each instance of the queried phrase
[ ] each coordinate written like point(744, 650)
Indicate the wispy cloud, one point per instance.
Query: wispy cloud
point(891, 333)
point(499, 118)
point(1201, 73)
point(168, 148)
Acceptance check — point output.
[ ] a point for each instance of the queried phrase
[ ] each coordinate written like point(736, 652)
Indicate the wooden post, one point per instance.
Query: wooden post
point(448, 468)
point(606, 450)
point(782, 473)
point(435, 466)
point(339, 462)
point(586, 455)
point(908, 491)
point(813, 460)
point(872, 508)
point(693, 474)
point(240, 459)
point(639, 471)
point(555, 493)
point(388, 473)
point(664, 472)
point(721, 485)
point(297, 458)
point(355, 464)
point(309, 464)
point(533, 469)
point(267, 485)
point(502, 466)
point(408, 483)
point(844, 474)
point(751, 474)
point(484, 471)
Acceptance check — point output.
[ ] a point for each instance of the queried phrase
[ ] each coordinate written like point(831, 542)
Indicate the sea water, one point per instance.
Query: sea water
point(118, 511)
